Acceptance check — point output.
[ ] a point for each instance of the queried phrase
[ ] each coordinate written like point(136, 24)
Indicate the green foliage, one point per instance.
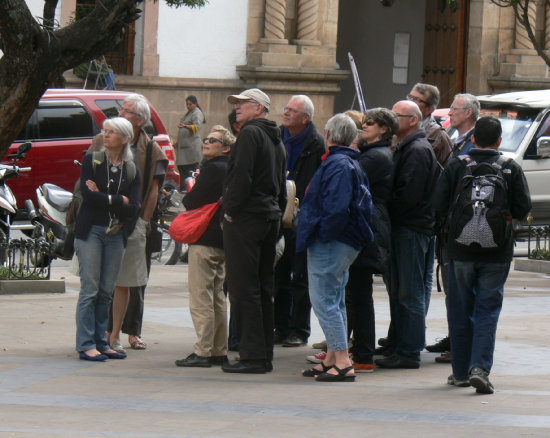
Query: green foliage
point(540, 254)
point(188, 3)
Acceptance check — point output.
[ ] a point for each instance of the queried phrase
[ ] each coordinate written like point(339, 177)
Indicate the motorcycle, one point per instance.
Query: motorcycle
point(169, 203)
point(8, 203)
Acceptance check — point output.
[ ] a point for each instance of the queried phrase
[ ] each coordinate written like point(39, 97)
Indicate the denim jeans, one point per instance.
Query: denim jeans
point(100, 259)
point(328, 265)
point(476, 291)
point(410, 286)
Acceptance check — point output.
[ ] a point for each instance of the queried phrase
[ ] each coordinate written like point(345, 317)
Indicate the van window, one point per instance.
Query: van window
point(515, 124)
point(111, 109)
point(64, 122)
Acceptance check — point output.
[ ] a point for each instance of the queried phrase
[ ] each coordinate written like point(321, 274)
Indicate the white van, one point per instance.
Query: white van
point(525, 119)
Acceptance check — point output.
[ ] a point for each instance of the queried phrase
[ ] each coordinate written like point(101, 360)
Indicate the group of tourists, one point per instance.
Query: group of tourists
point(377, 193)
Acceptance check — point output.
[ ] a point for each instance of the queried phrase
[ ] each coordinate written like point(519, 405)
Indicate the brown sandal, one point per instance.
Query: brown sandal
point(137, 344)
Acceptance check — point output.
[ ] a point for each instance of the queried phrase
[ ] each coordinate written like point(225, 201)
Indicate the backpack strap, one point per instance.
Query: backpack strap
point(98, 158)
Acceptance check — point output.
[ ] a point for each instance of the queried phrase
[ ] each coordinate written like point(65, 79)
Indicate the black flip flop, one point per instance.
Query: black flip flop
point(342, 375)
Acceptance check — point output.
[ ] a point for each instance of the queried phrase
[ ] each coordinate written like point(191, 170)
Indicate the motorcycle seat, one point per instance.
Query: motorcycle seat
point(58, 197)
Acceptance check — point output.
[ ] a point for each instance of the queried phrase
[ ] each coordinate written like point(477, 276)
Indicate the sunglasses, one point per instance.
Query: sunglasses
point(210, 140)
point(417, 99)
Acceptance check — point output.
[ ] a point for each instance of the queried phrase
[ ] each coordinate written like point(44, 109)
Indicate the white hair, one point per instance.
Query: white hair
point(308, 104)
point(141, 105)
point(342, 129)
point(126, 129)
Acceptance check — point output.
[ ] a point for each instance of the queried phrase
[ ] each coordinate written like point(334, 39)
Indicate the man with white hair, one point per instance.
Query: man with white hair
point(255, 197)
point(305, 146)
point(463, 114)
point(412, 239)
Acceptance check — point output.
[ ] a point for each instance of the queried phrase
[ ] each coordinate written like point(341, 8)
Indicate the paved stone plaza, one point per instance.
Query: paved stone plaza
point(45, 391)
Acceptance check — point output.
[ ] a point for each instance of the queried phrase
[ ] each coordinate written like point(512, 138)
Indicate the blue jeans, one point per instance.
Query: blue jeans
point(328, 265)
point(476, 290)
point(411, 273)
point(100, 259)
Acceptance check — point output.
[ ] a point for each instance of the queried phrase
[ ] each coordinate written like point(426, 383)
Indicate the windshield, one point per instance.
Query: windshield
point(515, 124)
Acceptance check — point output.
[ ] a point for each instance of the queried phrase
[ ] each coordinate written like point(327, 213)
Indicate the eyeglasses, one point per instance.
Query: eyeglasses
point(404, 115)
point(417, 99)
point(127, 111)
point(211, 140)
point(292, 110)
point(369, 122)
point(454, 108)
point(110, 132)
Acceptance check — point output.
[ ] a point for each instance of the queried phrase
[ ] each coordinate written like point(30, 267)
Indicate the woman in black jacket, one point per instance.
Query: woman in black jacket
point(207, 302)
point(110, 186)
point(379, 126)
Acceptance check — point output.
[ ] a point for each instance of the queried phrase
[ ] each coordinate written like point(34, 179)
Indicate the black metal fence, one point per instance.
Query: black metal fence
point(538, 245)
point(25, 259)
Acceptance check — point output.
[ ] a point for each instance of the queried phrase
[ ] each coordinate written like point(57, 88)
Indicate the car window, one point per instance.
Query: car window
point(25, 133)
point(111, 109)
point(515, 124)
point(65, 122)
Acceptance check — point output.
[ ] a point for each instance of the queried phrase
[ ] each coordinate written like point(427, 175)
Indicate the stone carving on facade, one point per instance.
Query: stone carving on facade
point(308, 17)
point(275, 11)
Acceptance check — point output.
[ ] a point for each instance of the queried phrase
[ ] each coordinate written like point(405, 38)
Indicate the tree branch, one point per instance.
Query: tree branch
point(18, 28)
point(523, 17)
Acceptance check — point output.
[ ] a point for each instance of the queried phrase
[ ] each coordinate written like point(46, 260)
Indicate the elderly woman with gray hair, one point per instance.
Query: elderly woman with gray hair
point(110, 186)
point(331, 233)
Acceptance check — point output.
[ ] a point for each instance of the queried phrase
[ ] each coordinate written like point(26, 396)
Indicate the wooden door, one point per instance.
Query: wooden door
point(445, 47)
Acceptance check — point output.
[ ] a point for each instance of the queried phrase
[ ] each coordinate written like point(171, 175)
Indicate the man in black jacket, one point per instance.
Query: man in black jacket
point(477, 277)
point(412, 237)
point(255, 197)
point(305, 146)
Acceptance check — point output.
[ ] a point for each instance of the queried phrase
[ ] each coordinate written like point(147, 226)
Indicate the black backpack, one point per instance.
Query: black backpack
point(479, 219)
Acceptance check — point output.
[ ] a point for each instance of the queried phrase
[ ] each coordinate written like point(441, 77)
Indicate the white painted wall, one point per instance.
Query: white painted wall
point(203, 43)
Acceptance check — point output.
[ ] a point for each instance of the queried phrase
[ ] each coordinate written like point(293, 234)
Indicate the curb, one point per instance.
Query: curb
point(19, 287)
point(531, 265)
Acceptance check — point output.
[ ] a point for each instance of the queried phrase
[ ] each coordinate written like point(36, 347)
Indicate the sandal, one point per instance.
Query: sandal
point(137, 344)
point(342, 375)
point(116, 346)
point(312, 372)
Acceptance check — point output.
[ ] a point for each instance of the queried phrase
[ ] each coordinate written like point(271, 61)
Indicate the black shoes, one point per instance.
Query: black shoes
point(395, 361)
point(248, 367)
point(194, 360)
point(442, 346)
point(479, 379)
point(387, 350)
point(218, 360)
point(293, 341)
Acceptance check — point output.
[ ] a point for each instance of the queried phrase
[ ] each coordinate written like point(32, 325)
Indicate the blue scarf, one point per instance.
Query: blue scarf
point(293, 145)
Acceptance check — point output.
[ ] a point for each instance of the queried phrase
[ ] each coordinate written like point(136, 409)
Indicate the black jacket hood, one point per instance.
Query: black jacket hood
point(268, 126)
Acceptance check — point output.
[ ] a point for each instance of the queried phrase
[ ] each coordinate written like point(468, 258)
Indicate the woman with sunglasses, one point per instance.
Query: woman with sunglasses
point(110, 186)
point(379, 125)
point(206, 272)
point(188, 147)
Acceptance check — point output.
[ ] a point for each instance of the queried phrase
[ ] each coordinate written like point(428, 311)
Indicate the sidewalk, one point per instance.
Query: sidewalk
point(45, 391)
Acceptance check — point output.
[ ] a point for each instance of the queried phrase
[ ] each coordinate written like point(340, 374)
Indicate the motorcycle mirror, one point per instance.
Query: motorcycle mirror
point(24, 148)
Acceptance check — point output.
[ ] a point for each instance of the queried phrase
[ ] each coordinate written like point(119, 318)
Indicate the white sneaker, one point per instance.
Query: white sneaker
point(317, 358)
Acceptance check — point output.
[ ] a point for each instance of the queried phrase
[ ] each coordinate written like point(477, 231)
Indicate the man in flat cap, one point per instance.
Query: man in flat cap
point(255, 197)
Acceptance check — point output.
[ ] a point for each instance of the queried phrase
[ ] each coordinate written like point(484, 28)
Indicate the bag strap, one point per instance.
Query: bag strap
point(148, 159)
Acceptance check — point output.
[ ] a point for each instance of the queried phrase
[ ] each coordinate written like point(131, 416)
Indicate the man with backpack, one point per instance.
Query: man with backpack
point(479, 194)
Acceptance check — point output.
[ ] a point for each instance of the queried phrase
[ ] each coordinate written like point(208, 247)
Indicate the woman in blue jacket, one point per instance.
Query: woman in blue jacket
point(333, 238)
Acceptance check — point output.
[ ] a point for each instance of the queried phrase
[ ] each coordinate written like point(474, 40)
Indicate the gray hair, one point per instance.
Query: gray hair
point(429, 92)
point(120, 124)
point(141, 105)
point(470, 101)
point(308, 104)
point(342, 129)
point(228, 139)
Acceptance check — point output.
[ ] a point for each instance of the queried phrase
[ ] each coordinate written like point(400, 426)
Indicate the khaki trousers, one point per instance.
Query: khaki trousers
point(207, 302)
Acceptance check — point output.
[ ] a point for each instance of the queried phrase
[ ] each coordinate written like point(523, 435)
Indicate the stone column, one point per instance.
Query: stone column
point(308, 17)
point(547, 27)
point(274, 32)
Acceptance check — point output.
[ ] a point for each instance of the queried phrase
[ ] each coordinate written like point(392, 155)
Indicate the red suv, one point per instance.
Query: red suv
point(61, 129)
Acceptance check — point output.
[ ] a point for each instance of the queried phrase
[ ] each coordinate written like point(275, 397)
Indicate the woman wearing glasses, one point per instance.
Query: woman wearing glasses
point(379, 126)
point(207, 302)
point(110, 185)
point(188, 153)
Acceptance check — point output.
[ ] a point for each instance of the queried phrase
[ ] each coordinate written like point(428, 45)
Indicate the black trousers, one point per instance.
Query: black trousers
point(292, 305)
point(249, 243)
